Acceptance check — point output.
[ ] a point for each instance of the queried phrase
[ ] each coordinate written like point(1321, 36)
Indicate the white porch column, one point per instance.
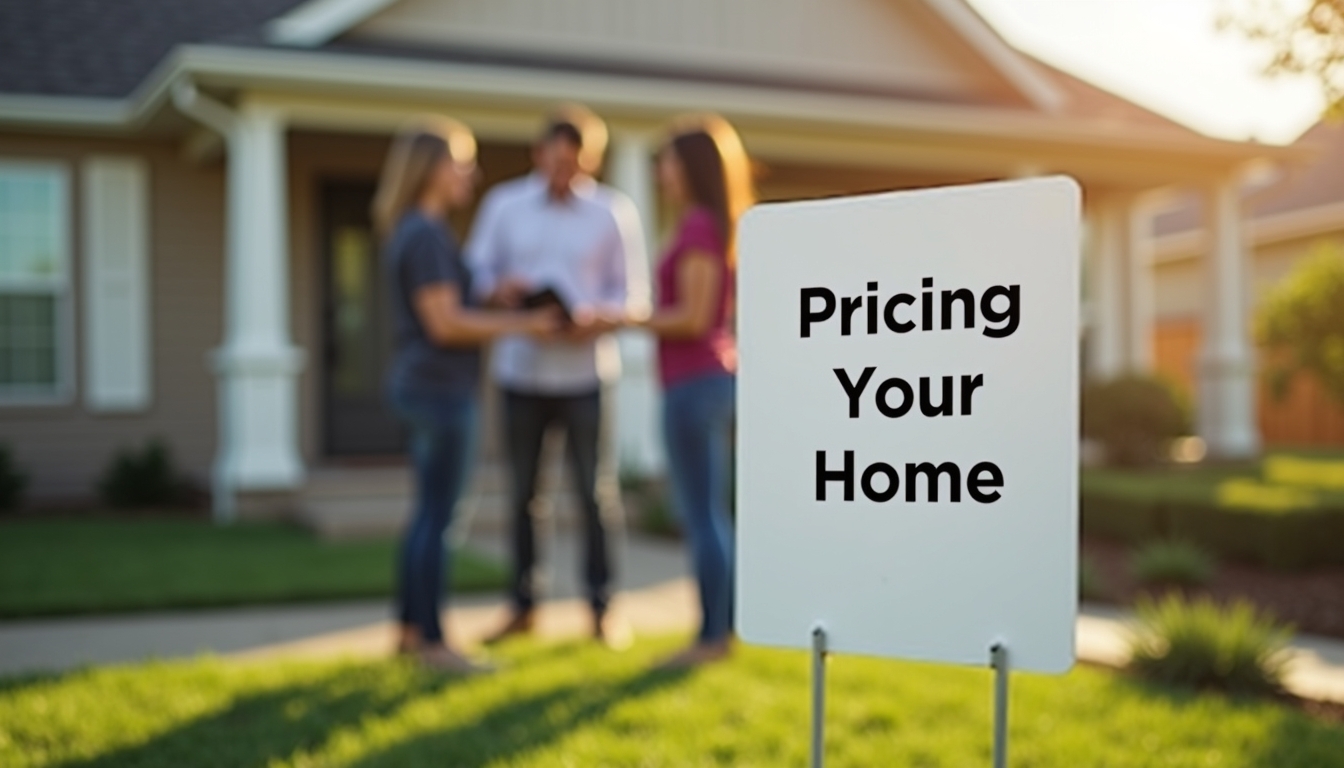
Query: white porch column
point(638, 399)
point(1142, 303)
point(1226, 418)
point(257, 365)
point(1107, 278)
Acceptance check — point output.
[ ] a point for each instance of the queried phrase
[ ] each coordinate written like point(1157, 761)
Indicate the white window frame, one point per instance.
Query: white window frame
point(63, 288)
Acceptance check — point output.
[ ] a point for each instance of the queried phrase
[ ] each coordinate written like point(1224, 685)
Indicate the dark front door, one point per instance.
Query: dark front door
point(357, 329)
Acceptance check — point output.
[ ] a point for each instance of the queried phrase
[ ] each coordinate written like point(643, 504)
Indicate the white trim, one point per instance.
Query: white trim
point(354, 75)
point(390, 77)
point(65, 110)
point(982, 36)
point(319, 21)
point(1272, 228)
point(62, 393)
point(118, 350)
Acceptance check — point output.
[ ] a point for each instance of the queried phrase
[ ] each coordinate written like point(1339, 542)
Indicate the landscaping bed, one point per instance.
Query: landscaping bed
point(100, 564)
point(1312, 600)
point(578, 704)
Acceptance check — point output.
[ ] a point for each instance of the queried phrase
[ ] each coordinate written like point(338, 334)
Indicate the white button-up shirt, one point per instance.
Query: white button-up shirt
point(588, 247)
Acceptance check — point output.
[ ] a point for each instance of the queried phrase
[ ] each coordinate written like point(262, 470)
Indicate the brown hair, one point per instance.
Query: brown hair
point(416, 151)
point(582, 127)
point(717, 171)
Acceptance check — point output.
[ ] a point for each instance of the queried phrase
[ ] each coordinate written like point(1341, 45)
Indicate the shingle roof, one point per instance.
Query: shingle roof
point(107, 47)
point(1319, 183)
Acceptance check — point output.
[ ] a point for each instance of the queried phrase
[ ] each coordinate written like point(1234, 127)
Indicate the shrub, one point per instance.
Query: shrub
point(12, 481)
point(648, 497)
point(1133, 417)
point(1173, 563)
point(657, 518)
point(142, 478)
point(1303, 317)
point(1091, 585)
point(1201, 645)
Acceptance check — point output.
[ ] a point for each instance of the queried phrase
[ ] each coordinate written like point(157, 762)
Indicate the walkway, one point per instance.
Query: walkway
point(658, 599)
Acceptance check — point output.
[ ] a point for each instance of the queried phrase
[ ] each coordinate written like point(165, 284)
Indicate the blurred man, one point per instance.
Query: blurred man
point(557, 235)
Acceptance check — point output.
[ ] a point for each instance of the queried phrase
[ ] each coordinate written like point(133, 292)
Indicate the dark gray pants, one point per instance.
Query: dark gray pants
point(527, 417)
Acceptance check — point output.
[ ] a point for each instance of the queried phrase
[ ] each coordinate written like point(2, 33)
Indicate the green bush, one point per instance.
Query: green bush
point(651, 510)
point(144, 477)
point(1134, 417)
point(657, 519)
point(12, 481)
point(1172, 563)
point(1303, 317)
point(1091, 585)
point(1199, 644)
point(1298, 539)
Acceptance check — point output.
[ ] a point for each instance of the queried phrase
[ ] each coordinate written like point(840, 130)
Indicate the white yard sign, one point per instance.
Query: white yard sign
point(908, 423)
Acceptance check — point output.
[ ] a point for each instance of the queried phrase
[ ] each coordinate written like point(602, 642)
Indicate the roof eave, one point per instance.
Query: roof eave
point(230, 66)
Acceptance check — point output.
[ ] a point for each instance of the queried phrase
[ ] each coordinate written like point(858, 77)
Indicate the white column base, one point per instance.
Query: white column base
point(1226, 418)
point(638, 405)
point(258, 441)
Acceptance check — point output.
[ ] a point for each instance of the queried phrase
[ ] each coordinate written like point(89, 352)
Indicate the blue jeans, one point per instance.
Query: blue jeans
point(443, 440)
point(697, 425)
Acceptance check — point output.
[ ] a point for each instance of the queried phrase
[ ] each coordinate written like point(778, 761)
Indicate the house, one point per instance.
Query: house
point(184, 185)
point(1288, 214)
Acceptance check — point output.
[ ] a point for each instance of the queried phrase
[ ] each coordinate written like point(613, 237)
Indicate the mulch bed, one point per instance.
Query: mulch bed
point(1311, 600)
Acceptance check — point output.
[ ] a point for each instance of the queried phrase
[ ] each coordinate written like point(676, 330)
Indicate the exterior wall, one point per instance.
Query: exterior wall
point(896, 46)
point(64, 448)
point(1305, 414)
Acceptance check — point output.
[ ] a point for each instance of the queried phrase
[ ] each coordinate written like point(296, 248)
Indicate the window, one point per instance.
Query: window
point(34, 281)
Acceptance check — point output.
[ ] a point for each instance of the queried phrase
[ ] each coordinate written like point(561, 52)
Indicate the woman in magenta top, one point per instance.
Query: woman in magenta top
point(705, 174)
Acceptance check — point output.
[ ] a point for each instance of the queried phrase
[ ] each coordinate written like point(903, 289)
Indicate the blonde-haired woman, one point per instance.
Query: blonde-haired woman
point(435, 375)
point(704, 173)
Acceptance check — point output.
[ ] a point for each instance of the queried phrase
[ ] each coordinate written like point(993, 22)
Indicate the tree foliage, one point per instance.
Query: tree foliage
point(1303, 319)
point(1304, 37)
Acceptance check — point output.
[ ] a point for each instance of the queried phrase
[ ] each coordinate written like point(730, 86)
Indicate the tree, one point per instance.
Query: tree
point(1303, 319)
point(1304, 37)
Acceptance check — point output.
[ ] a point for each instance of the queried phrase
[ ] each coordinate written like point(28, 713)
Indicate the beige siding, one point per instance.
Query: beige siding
point(898, 45)
point(65, 448)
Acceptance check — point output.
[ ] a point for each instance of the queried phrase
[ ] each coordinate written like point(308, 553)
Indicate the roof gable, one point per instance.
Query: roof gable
point(938, 50)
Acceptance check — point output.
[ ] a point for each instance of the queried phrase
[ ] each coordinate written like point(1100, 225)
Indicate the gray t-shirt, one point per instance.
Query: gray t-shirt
point(423, 252)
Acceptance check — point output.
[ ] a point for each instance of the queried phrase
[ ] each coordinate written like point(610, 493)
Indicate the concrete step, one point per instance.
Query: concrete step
point(343, 503)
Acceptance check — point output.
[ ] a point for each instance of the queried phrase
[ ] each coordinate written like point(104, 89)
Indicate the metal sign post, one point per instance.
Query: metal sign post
point(818, 696)
point(998, 659)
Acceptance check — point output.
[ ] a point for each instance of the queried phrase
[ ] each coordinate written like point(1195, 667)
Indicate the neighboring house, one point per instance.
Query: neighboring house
point(184, 184)
point(1286, 218)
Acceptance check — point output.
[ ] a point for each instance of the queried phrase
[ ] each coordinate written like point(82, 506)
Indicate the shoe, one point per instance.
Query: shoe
point(519, 623)
point(698, 655)
point(612, 631)
point(444, 659)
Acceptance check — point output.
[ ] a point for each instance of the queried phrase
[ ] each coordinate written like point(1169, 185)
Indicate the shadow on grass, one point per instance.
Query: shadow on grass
point(277, 723)
point(1296, 739)
point(256, 729)
point(520, 726)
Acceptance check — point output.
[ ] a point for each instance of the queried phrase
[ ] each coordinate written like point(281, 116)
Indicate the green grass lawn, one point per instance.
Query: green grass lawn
point(577, 705)
point(67, 566)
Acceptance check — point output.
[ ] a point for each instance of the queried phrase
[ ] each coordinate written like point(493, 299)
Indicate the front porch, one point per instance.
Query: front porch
point(299, 369)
